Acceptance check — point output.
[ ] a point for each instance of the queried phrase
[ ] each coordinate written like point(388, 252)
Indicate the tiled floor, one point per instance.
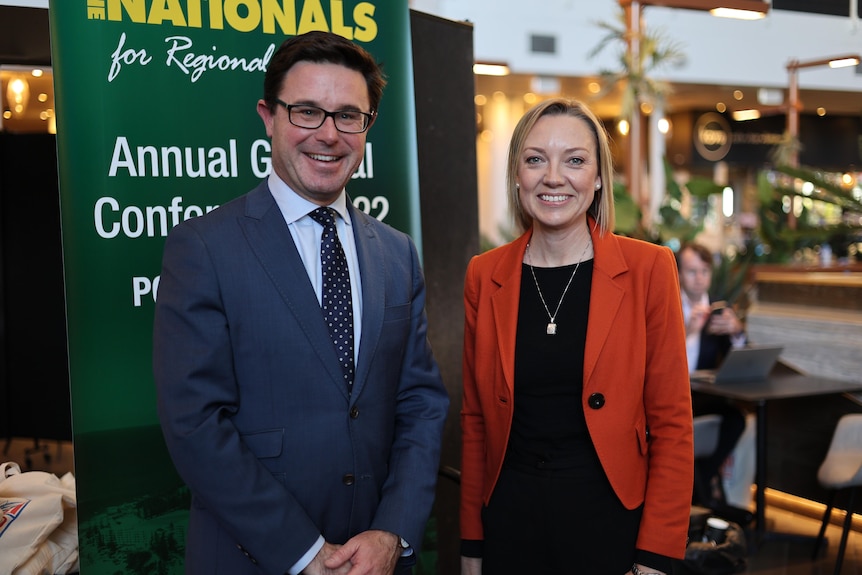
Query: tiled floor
point(773, 557)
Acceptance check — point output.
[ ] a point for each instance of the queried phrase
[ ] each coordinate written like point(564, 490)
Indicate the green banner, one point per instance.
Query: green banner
point(157, 123)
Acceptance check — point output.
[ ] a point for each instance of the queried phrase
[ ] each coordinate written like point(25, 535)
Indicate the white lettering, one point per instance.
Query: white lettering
point(120, 56)
point(366, 168)
point(194, 65)
point(261, 164)
point(381, 203)
point(112, 221)
point(141, 286)
point(173, 161)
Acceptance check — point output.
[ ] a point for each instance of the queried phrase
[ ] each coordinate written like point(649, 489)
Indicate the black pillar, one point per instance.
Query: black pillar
point(446, 127)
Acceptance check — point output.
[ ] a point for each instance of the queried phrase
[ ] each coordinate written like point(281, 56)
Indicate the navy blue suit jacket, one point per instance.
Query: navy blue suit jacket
point(253, 405)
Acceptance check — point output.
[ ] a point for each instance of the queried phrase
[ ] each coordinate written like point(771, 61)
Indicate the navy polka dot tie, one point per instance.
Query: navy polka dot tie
point(336, 298)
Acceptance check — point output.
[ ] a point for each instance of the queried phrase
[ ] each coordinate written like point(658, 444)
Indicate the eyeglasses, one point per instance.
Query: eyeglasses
point(312, 117)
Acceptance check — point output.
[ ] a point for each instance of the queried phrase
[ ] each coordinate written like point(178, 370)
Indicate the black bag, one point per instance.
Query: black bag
point(709, 558)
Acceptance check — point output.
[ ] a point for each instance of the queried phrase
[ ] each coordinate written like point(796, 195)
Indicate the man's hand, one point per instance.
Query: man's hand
point(696, 319)
point(725, 323)
point(318, 564)
point(369, 553)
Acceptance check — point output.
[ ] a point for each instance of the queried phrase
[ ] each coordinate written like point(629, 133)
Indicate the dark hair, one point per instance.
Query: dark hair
point(701, 251)
point(323, 47)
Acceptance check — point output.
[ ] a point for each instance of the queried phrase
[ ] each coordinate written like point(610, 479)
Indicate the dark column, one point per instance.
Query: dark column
point(446, 125)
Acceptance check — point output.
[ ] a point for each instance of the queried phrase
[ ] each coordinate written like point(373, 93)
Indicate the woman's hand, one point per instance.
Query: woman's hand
point(639, 569)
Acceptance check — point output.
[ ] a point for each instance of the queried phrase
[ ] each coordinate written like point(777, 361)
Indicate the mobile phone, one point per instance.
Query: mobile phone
point(717, 307)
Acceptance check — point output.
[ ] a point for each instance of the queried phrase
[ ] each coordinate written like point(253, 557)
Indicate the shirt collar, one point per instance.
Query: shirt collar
point(294, 207)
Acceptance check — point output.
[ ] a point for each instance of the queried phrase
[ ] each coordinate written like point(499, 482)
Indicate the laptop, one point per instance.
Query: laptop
point(750, 363)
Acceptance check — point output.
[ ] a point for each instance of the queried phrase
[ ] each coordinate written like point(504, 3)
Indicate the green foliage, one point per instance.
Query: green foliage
point(627, 212)
point(657, 51)
point(781, 243)
point(730, 277)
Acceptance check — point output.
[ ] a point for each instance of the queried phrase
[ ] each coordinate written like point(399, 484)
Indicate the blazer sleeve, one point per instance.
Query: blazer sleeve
point(667, 405)
point(421, 408)
point(472, 419)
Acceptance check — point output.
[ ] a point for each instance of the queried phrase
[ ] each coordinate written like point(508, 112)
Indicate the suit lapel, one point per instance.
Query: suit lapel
point(270, 240)
point(606, 296)
point(372, 271)
point(507, 275)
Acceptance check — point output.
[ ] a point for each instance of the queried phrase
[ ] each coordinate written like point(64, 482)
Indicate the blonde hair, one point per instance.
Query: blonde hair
point(602, 208)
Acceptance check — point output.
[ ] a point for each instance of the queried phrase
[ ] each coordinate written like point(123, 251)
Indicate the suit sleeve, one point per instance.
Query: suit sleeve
point(198, 394)
point(421, 408)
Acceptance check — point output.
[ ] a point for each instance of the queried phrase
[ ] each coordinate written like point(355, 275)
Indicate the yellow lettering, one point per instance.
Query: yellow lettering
point(136, 9)
point(365, 29)
point(169, 10)
point(285, 17)
point(282, 17)
point(216, 15)
point(336, 10)
point(238, 22)
point(194, 14)
point(312, 18)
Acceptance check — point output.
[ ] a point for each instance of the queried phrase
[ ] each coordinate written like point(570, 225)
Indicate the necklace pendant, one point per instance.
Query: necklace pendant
point(552, 329)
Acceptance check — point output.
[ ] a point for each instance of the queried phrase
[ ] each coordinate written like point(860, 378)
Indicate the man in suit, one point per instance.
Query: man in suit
point(300, 459)
point(709, 333)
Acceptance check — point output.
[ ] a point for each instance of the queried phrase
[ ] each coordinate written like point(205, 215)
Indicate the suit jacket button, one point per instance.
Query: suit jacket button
point(596, 401)
point(354, 413)
point(348, 479)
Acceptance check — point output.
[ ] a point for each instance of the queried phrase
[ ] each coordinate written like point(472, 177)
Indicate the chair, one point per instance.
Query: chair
point(841, 470)
point(706, 429)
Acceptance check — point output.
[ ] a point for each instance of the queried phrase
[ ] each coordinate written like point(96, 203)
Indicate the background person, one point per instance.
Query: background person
point(300, 459)
point(709, 336)
point(576, 418)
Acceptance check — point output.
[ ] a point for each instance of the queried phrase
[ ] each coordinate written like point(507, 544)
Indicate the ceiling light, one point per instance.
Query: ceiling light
point(623, 127)
point(744, 9)
point(490, 69)
point(737, 14)
point(832, 62)
point(844, 62)
point(18, 94)
point(745, 115)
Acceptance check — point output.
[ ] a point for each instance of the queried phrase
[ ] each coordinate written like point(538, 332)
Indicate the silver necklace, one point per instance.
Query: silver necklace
point(552, 326)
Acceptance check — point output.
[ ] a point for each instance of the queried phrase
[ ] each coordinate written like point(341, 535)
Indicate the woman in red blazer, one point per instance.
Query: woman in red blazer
point(576, 417)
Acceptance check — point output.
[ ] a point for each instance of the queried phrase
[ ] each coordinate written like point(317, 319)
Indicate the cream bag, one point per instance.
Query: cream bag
point(38, 522)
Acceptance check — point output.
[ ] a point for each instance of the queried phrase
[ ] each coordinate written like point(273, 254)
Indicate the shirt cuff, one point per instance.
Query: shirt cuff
point(308, 557)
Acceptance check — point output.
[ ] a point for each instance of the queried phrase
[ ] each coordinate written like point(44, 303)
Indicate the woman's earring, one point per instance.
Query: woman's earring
point(517, 186)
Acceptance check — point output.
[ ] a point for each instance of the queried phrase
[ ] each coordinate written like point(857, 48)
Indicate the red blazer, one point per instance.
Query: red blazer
point(634, 358)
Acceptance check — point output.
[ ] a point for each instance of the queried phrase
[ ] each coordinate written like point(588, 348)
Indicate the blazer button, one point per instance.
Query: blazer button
point(596, 401)
point(348, 479)
point(354, 413)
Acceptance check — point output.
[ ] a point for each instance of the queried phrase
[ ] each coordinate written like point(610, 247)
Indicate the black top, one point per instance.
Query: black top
point(548, 422)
